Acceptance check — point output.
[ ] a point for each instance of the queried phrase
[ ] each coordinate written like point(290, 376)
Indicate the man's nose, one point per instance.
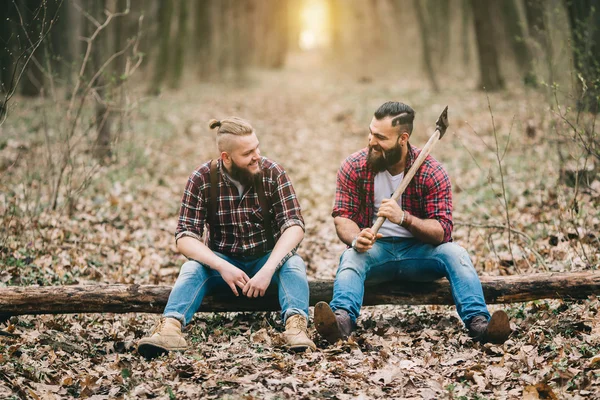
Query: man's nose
point(372, 140)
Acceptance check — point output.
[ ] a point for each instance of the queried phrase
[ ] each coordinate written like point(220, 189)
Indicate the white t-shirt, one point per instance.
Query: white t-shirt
point(385, 185)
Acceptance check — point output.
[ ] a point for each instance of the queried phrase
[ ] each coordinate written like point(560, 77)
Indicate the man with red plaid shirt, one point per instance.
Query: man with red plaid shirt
point(415, 241)
point(244, 253)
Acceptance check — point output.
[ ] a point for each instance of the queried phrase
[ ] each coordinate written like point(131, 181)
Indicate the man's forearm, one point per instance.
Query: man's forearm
point(289, 240)
point(194, 249)
point(346, 229)
point(426, 230)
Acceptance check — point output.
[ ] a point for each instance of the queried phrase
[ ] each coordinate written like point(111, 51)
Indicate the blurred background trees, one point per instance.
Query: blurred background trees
point(522, 41)
point(87, 48)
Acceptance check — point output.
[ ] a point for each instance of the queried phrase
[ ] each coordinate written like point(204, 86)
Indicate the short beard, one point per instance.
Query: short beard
point(242, 175)
point(387, 158)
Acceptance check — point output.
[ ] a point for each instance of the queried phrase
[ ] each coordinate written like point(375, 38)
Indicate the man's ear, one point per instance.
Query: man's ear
point(225, 157)
point(404, 136)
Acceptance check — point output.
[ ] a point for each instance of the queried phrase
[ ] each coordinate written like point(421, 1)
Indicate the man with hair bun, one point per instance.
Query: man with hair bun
point(413, 244)
point(247, 246)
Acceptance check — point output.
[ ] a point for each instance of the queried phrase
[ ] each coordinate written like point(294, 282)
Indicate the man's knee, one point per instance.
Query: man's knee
point(191, 268)
point(352, 261)
point(454, 256)
point(294, 264)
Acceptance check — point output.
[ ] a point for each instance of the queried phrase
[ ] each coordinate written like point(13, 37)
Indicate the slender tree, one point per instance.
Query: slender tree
point(464, 32)
point(179, 44)
point(426, 43)
point(203, 37)
point(487, 48)
point(35, 21)
point(534, 13)
point(517, 39)
point(163, 36)
point(584, 18)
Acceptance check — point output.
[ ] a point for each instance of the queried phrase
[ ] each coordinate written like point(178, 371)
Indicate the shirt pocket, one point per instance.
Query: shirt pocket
point(256, 216)
point(254, 225)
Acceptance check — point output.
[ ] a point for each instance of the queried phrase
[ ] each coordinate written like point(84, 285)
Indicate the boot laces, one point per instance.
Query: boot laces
point(297, 322)
point(159, 326)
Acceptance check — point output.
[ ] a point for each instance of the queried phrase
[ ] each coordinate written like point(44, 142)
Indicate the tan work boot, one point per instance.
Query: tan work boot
point(296, 335)
point(165, 337)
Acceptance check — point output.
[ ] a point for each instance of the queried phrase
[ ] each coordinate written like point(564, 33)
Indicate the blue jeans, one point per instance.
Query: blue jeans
point(195, 280)
point(408, 259)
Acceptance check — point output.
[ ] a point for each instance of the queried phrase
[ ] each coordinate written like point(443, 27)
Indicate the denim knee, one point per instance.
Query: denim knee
point(454, 257)
point(191, 268)
point(294, 264)
point(353, 261)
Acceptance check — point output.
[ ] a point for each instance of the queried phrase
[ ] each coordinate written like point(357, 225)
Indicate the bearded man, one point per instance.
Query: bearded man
point(414, 243)
point(255, 226)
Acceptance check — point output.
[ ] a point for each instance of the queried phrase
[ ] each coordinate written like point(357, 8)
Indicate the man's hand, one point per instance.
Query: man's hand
point(365, 240)
point(257, 286)
point(391, 210)
point(233, 276)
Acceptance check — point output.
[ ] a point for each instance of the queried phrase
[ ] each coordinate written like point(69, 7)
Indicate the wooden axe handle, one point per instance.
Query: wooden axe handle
point(442, 124)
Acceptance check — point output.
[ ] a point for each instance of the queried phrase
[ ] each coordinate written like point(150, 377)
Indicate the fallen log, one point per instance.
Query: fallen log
point(117, 298)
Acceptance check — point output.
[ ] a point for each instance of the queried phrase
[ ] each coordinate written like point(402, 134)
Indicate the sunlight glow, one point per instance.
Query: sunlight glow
point(314, 21)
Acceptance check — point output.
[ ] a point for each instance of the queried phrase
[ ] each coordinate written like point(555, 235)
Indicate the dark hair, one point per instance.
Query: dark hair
point(404, 114)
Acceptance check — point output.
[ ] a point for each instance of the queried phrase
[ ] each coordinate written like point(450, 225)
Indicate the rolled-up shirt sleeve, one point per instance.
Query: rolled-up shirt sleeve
point(285, 203)
point(438, 200)
point(192, 212)
point(346, 203)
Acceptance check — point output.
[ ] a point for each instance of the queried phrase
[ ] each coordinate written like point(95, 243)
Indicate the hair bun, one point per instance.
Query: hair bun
point(213, 123)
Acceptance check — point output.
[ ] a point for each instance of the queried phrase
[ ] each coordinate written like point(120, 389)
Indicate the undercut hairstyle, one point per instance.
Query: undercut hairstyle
point(227, 129)
point(402, 115)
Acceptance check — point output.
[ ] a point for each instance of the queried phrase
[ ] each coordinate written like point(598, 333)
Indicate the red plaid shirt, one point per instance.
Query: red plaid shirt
point(239, 229)
point(428, 196)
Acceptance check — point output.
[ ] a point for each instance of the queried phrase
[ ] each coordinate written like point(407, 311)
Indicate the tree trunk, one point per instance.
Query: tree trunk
point(584, 17)
point(487, 48)
point(425, 38)
point(203, 37)
point(335, 26)
point(534, 13)
point(102, 146)
point(35, 21)
point(464, 32)
point(179, 44)
point(163, 36)
point(8, 50)
point(120, 40)
point(438, 12)
point(516, 33)
point(18, 300)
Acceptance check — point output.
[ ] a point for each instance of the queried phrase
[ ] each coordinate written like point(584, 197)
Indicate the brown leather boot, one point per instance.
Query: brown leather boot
point(333, 326)
point(296, 334)
point(496, 330)
point(165, 337)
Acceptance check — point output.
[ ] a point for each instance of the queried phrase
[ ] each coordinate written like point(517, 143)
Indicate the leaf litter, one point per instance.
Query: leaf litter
point(122, 229)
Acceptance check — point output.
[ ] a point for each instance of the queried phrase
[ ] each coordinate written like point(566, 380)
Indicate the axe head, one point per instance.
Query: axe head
point(442, 122)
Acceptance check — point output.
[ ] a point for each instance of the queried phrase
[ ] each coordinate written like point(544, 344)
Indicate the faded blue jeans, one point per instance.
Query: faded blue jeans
point(195, 280)
point(408, 259)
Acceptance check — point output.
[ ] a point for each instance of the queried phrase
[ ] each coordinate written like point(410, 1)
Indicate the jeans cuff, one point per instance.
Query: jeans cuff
point(293, 311)
point(178, 316)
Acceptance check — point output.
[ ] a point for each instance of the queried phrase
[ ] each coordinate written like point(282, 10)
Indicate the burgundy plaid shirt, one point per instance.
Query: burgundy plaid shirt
point(239, 229)
point(428, 196)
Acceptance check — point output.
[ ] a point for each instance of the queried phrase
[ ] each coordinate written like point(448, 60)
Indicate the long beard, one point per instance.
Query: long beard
point(380, 163)
point(240, 174)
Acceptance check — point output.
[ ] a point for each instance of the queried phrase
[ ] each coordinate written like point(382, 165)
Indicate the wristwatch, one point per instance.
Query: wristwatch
point(354, 242)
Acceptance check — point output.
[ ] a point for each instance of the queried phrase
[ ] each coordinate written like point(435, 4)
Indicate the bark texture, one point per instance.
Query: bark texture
point(19, 300)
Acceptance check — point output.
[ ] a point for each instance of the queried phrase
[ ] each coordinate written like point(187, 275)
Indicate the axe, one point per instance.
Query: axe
point(440, 129)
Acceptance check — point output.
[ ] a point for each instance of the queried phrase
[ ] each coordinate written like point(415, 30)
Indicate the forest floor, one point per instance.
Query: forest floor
point(121, 231)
